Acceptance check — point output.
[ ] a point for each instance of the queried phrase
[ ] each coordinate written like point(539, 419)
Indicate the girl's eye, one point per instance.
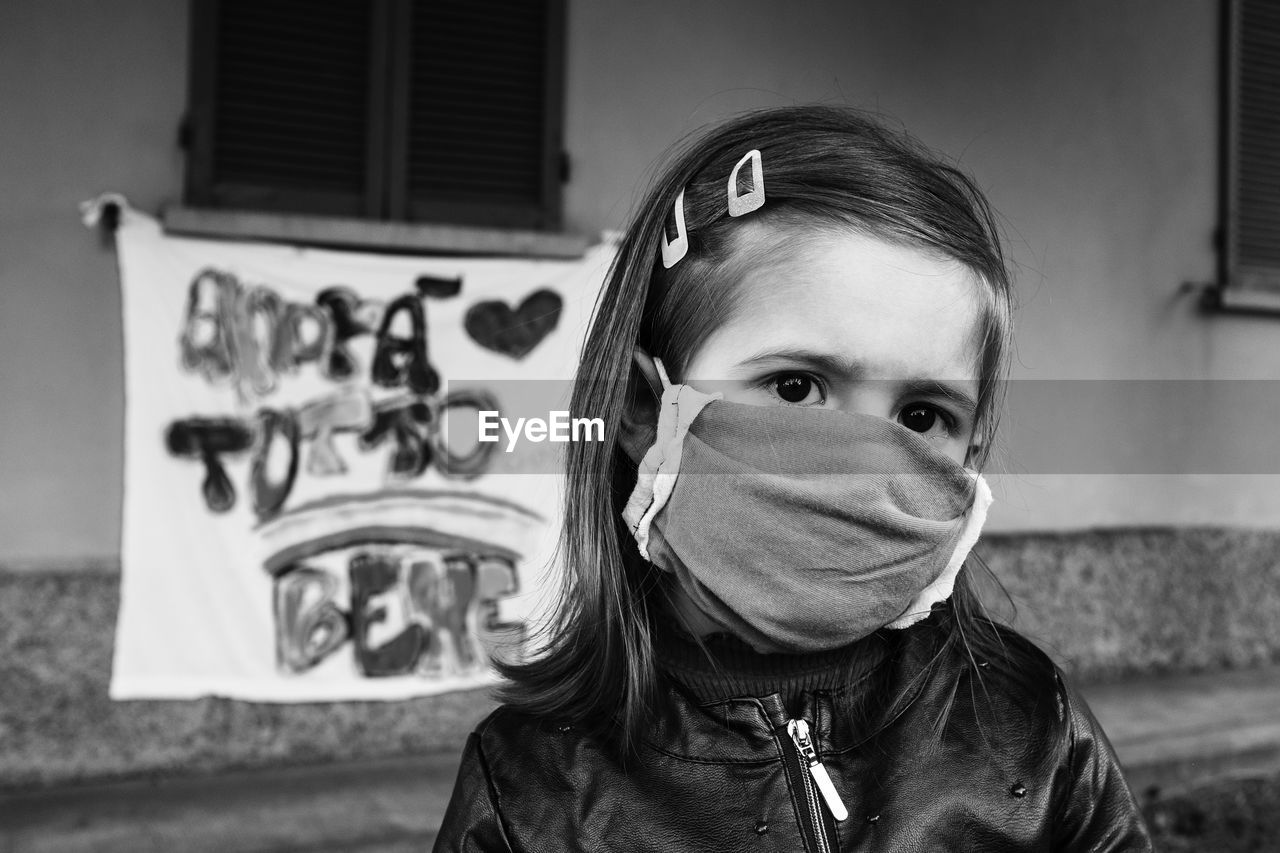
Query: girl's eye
point(929, 421)
point(797, 389)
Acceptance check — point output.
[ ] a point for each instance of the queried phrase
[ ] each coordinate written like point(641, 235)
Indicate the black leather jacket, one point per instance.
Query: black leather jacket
point(729, 776)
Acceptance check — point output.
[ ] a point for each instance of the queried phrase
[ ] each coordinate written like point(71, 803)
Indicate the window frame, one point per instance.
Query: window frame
point(386, 197)
point(1241, 283)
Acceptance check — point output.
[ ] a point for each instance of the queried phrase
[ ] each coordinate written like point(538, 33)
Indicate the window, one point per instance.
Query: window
point(1251, 149)
point(443, 111)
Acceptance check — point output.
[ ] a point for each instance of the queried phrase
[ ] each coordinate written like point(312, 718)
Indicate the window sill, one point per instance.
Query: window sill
point(368, 234)
point(1235, 300)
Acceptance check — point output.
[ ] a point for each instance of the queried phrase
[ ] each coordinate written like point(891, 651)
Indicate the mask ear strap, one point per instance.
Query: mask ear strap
point(662, 373)
point(657, 471)
point(653, 371)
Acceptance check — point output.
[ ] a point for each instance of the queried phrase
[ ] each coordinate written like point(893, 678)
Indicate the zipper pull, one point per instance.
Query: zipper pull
point(799, 731)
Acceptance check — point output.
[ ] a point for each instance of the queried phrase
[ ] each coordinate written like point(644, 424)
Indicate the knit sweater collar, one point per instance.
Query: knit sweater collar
point(730, 669)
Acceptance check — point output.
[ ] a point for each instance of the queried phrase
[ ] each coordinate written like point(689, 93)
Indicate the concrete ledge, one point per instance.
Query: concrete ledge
point(58, 726)
point(1118, 602)
point(1108, 604)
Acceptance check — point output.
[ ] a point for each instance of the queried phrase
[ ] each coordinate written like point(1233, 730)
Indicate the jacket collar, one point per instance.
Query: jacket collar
point(720, 666)
point(729, 702)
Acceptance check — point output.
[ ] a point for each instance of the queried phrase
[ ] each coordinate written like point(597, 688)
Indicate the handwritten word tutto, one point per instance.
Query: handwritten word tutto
point(410, 424)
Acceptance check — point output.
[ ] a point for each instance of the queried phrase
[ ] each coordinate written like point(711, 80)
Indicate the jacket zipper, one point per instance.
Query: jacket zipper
point(815, 784)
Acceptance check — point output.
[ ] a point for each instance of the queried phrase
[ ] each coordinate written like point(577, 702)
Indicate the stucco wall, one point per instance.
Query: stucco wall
point(91, 94)
point(1105, 604)
point(1091, 124)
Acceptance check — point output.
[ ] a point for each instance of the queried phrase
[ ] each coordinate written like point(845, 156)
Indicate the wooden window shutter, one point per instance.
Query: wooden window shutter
point(424, 110)
point(1252, 145)
point(483, 103)
point(284, 107)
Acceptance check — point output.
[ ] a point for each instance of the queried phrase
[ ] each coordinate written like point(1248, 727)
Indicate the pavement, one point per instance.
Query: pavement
point(1177, 732)
point(368, 806)
point(1171, 733)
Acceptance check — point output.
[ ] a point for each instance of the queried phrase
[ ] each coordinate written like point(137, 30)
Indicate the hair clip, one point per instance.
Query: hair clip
point(676, 249)
point(754, 198)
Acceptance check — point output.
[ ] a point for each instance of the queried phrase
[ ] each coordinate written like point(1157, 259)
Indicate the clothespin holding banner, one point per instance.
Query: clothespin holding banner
point(104, 213)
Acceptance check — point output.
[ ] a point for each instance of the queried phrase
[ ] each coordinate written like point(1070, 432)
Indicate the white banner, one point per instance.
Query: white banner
point(308, 512)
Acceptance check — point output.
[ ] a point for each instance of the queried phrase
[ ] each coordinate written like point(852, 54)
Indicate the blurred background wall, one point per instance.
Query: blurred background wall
point(1091, 125)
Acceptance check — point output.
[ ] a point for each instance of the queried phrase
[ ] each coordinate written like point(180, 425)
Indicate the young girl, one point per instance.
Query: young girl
point(765, 639)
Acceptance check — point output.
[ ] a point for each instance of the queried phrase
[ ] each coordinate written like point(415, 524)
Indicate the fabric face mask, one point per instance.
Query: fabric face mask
point(801, 529)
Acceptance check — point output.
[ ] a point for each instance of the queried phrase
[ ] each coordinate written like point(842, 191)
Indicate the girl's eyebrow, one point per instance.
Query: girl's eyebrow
point(854, 369)
point(938, 388)
point(848, 368)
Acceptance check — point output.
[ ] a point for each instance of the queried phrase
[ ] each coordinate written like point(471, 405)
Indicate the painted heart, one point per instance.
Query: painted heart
point(495, 326)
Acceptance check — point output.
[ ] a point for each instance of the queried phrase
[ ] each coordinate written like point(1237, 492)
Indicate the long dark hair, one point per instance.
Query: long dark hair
point(825, 167)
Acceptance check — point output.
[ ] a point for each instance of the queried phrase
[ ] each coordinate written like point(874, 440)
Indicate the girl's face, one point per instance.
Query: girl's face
point(842, 320)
